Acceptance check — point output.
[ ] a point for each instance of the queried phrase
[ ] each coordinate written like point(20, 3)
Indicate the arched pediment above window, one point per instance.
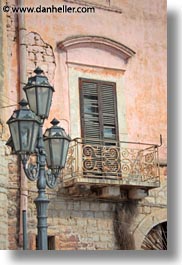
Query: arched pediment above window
point(101, 45)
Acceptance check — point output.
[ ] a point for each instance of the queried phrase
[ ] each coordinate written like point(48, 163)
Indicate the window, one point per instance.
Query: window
point(99, 128)
point(98, 111)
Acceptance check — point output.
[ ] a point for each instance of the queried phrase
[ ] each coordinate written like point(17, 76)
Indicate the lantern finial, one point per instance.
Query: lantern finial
point(23, 103)
point(54, 122)
point(38, 71)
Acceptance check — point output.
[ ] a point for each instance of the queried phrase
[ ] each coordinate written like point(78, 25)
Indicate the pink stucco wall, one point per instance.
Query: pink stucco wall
point(142, 28)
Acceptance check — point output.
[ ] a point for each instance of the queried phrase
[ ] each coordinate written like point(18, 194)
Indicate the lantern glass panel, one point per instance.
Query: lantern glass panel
point(15, 135)
point(29, 132)
point(49, 101)
point(31, 97)
point(48, 153)
point(26, 135)
point(44, 100)
point(34, 136)
point(56, 152)
point(65, 152)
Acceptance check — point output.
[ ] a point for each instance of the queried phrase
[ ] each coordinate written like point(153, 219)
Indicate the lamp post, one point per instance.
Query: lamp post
point(26, 129)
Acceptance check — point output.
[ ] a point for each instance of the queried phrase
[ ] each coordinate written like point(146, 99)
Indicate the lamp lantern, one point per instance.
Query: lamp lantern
point(39, 93)
point(56, 145)
point(24, 128)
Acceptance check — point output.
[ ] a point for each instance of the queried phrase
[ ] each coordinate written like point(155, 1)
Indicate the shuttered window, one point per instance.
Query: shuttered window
point(98, 110)
point(99, 128)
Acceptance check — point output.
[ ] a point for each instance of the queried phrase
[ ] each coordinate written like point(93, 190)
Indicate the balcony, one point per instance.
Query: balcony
point(111, 169)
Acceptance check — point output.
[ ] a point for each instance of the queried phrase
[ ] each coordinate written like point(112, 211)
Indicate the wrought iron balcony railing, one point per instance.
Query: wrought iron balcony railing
point(116, 163)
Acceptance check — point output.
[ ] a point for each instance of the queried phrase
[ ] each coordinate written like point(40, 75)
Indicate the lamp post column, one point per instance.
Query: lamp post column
point(41, 201)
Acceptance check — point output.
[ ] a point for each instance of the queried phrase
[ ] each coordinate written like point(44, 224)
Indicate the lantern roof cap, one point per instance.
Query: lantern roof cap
point(24, 113)
point(39, 79)
point(9, 142)
point(56, 131)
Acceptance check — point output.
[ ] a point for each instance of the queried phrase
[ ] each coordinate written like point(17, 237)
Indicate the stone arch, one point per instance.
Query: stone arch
point(156, 239)
point(157, 216)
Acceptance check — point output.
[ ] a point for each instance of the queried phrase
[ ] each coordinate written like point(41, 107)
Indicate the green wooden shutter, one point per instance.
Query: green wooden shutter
point(90, 123)
point(99, 128)
point(108, 111)
point(98, 110)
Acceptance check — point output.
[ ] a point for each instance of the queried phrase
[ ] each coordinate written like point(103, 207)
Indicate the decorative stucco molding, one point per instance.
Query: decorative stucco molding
point(96, 41)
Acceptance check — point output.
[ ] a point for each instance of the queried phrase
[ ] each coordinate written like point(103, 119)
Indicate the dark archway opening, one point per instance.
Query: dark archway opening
point(156, 239)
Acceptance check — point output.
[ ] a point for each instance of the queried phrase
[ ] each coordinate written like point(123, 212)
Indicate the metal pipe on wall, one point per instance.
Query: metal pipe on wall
point(24, 221)
point(23, 79)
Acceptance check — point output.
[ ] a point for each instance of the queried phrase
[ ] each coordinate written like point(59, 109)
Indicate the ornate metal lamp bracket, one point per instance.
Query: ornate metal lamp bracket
point(31, 170)
point(51, 178)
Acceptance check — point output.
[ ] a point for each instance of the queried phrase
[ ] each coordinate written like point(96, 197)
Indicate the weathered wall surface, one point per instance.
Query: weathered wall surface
point(3, 198)
point(3, 160)
point(151, 211)
point(85, 224)
point(88, 224)
point(141, 27)
point(78, 224)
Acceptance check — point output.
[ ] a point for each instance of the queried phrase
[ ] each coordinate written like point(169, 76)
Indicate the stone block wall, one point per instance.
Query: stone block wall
point(151, 211)
point(3, 198)
point(77, 224)
point(9, 198)
point(13, 202)
point(40, 53)
point(86, 224)
point(3, 158)
point(82, 224)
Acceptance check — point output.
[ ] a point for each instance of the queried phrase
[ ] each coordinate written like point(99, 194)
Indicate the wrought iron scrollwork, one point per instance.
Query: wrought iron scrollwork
point(127, 162)
point(89, 154)
point(88, 151)
point(88, 164)
point(101, 159)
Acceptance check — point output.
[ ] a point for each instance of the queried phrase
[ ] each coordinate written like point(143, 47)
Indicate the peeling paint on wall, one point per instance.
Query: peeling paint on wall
point(40, 53)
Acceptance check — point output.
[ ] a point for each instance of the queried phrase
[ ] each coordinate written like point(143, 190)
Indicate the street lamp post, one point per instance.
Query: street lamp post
point(26, 129)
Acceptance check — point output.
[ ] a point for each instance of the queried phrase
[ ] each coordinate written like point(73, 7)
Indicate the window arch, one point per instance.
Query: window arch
point(98, 42)
point(91, 57)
